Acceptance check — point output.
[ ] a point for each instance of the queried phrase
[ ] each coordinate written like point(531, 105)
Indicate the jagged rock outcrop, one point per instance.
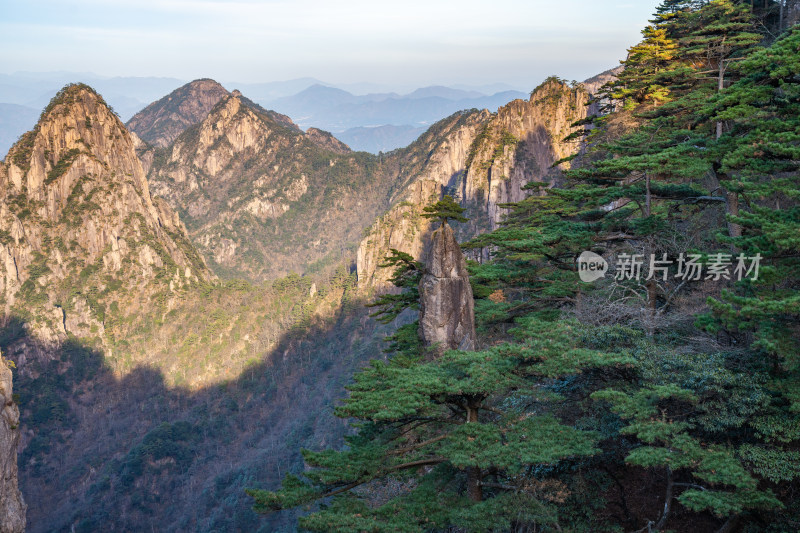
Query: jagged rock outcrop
point(160, 123)
point(78, 224)
point(446, 316)
point(593, 84)
point(12, 505)
point(260, 197)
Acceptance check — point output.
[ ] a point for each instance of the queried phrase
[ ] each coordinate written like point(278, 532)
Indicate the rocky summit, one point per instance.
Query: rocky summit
point(80, 231)
point(163, 121)
point(260, 197)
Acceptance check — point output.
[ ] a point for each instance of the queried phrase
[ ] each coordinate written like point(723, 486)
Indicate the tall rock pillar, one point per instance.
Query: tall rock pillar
point(12, 506)
point(447, 315)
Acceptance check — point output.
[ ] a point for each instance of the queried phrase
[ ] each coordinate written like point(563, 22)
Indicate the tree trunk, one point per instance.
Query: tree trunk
point(732, 198)
point(652, 295)
point(735, 230)
point(720, 86)
point(474, 488)
point(667, 503)
point(648, 196)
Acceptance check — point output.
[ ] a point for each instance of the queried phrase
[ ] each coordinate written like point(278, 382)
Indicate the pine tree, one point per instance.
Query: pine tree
point(760, 155)
point(444, 210)
point(468, 440)
point(427, 424)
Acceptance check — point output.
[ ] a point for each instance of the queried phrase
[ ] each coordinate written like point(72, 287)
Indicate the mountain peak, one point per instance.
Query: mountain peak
point(326, 140)
point(76, 209)
point(163, 121)
point(77, 134)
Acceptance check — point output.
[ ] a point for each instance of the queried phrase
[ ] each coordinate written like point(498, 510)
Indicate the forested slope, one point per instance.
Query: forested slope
point(661, 396)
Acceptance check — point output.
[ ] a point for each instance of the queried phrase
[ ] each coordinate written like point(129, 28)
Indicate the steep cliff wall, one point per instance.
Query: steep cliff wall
point(482, 159)
point(433, 164)
point(12, 505)
point(519, 145)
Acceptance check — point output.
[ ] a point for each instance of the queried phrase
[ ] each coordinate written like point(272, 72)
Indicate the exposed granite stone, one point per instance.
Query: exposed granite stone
point(447, 315)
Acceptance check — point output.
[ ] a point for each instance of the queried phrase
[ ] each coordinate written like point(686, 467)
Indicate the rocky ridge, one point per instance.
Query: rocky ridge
point(260, 197)
point(161, 122)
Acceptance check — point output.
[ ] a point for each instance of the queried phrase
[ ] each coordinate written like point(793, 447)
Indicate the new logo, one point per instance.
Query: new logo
point(591, 267)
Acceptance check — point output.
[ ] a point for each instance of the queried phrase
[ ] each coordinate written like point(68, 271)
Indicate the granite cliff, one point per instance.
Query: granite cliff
point(518, 145)
point(427, 169)
point(484, 160)
point(260, 197)
point(79, 231)
point(446, 313)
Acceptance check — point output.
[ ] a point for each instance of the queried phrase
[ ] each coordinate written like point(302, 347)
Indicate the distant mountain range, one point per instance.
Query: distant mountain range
point(351, 118)
point(372, 122)
point(380, 138)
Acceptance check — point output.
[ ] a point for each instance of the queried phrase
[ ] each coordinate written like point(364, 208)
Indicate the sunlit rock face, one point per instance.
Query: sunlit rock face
point(447, 316)
point(484, 160)
point(79, 230)
point(160, 123)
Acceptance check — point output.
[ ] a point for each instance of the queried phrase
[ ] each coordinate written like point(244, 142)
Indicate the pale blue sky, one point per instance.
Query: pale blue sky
point(406, 42)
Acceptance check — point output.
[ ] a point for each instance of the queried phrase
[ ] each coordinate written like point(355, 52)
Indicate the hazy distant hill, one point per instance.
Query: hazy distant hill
point(263, 92)
point(338, 111)
point(380, 138)
point(14, 121)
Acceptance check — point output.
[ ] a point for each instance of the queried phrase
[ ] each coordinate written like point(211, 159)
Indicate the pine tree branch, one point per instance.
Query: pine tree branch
point(350, 486)
point(417, 446)
point(615, 237)
point(696, 199)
